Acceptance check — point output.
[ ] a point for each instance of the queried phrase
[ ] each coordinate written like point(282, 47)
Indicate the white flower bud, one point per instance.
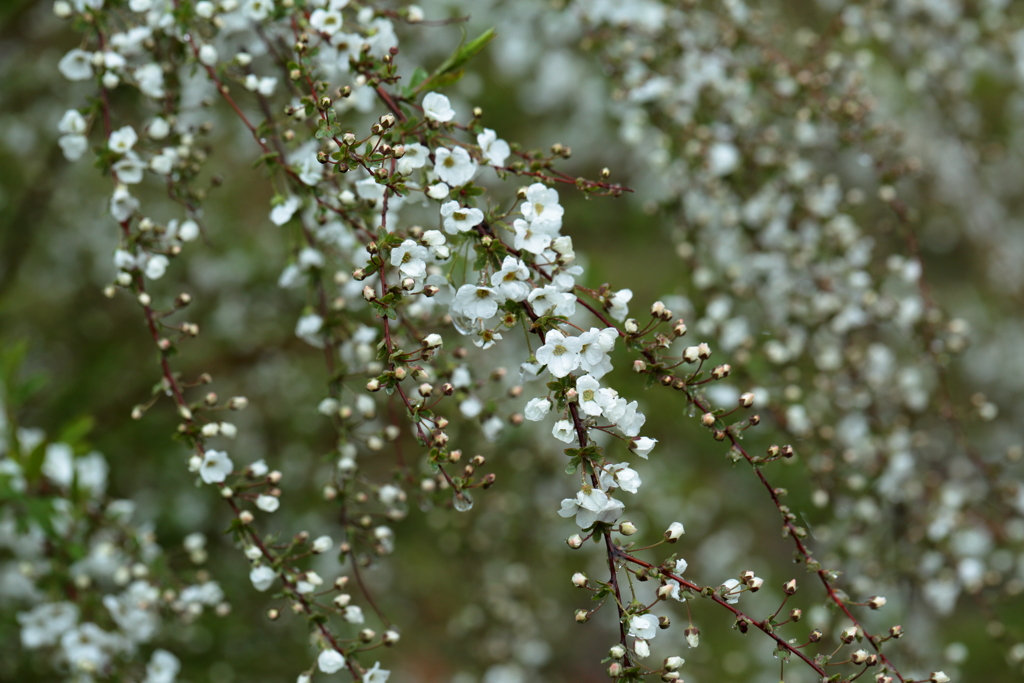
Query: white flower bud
point(579, 579)
point(627, 528)
point(617, 652)
point(631, 326)
point(322, 544)
point(674, 663)
point(747, 399)
point(575, 542)
point(673, 532)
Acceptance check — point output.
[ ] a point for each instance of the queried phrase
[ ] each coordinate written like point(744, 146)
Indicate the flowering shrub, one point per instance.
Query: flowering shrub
point(311, 182)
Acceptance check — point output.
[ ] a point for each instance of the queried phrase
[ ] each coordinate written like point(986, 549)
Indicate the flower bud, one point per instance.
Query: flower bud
point(848, 635)
point(367, 634)
point(664, 622)
point(859, 657)
point(582, 616)
point(789, 588)
point(675, 662)
point(691, 354)
point(721, 371)
point(238, 403)
point(627, 528)
point(614, 669)
point(796, 614)
point(664, 591)
point(639, 365)
point(631, 326)
point(896, 631)
point(707, 419)
point(426, 389)
point(579, 579)
point(814, 636)
point(692, 634)
point(617, 652)
point(670, 676)
point(657, 308)
point(679, 329)
point(704, 351)
point(673, 532)
point(755, 584)
point(574, 542)
point(373, 385)
point(390, 637)
point(368, 293)
point(876, 602)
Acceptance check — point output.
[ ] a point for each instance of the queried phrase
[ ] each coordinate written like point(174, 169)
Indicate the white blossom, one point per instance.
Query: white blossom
point(436, 107)
point(330, 661)
point(537, 408)
point(460, 219)
point(644, 626)
point(215, 467)
point(560, 354)
point(454, 166)
point(495, 150)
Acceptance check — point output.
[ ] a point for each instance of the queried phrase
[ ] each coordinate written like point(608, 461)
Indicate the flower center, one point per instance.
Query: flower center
point(559, 350)
point(482, 293)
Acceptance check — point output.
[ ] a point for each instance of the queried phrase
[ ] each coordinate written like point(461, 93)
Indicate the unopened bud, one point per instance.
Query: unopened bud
point(373, 385)
point(789, 588)
point(627, 528)
point(579, 579)
point(859, 657)
point(575, 542)
point(582, 616)
point(707, 419)
point(876, 602)
point(631, 326)
point(639, 365)
point(796, 614)
point(673, 532)
point(617, 652)
point(814, 636)
point(368, 293)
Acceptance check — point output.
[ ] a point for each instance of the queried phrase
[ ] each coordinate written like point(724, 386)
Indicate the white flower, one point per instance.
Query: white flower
point(432, 341)
point(510, 281)
point(541, 208)
point(620, 476)
point(163, 163)
point(642, 446)
point(587, 388)
point(150, 79)
point(122, 204)
point(595, 346)
point(590, 506)
point(283, 212)
point(376, 674)
point(76, 65)
point(353, 614)
point(262, 578)
point(643, 626)
point(728, 588)
point(455, 167)
point(641, 648)
point(156, 266)
point(437, 191)
point(216, 466)
point(322, 544)
point(460, 219)
point(72, 122)
point(44, 624)
point(409, 257)
point(537, 408)
point(267, 503)
point(330, 661)
point(632, 420)
point(129, 169)
point(122, 140)
point(495, 150)
point(58, 464)
point(73, 146)
point(158, 128)
point(533, 240)
point(416, 156)
point(563, 431)
point(560, 353)
point(674, 531)
point(436, 107)
point(308, 330)
point(619, 304)
point(208, 55)
point(163, 667)
point(326, 21)
point(548, 300)
point(257, 10)
point(476, 302)
point(723, 158)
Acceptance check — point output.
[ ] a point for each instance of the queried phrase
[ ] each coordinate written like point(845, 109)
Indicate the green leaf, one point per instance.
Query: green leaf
point(451, 69)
